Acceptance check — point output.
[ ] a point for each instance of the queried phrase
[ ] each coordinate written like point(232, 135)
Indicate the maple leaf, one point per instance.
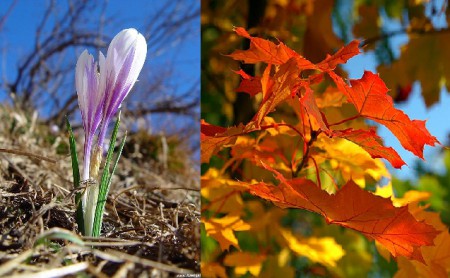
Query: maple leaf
point(350, 160)
point(285, 82)
point(268, 151)
point(213, 138)
point(354, 208)
point(309, 103)
point(331, 98)
point(221, 193)
point(370, 98)
point(222, 229)
point(340, 57)
point(249, 84)
point(262, 50)
point(371, 142)
point(437, 257)
point(319, 37)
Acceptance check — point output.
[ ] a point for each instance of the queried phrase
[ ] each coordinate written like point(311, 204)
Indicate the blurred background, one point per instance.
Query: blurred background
point(406, 42)
point(41, 40)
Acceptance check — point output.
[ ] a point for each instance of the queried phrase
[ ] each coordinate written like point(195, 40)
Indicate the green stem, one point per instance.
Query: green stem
point(105, 181)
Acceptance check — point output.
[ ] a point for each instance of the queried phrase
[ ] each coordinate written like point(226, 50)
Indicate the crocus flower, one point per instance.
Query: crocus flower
point(124, 60)
point(100, 95)
point(90, 101)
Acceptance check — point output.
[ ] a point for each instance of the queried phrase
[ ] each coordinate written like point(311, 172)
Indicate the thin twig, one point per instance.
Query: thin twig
point(314, 135)
point(413, 31)
point(24, 153)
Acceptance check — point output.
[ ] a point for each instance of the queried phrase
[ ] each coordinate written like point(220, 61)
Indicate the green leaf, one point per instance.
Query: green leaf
point(76, 177)
point(105, 181)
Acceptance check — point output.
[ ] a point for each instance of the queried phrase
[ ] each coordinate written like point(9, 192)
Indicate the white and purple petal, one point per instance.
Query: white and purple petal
point(124, 61)
point(90, 101)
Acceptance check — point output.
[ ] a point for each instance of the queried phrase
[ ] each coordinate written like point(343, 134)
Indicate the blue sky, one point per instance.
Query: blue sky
point(19, 30)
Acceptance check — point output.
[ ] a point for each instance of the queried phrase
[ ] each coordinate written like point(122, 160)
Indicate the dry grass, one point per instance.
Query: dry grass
point(151, 225)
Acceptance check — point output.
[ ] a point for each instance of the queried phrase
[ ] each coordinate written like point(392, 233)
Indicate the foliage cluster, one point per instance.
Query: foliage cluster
point(315, 152)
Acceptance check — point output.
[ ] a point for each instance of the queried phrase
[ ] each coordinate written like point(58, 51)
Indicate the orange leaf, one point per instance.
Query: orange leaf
point(437, 257)
point(213, 138)
point(371, 143)
point(308, 101)
point(285, 83)
point(340, 57)
point(262, 50)
point(369, 96)
point(354, 208)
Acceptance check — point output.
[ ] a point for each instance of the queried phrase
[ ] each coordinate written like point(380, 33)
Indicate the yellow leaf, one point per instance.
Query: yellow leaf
point(244, 262)
point(222, 193)
point(357, 250)
point(385, 191)
point(411, 196)
point(350, 160)
point(332, 97)
point(222, 229)
point(323, 250)
point(267, 121)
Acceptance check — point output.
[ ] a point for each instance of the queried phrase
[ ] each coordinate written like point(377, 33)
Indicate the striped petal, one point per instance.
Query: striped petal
point(124, 61)
point(90, 101)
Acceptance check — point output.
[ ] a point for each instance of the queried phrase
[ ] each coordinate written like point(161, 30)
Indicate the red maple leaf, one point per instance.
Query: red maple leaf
point(262, 50)
point(369, 96)
point(277, 88)
point(309, 103)
point(354, 208)
point(340, 57)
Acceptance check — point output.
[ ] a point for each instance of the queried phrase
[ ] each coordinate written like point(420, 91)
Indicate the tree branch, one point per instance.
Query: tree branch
point(413, 31)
